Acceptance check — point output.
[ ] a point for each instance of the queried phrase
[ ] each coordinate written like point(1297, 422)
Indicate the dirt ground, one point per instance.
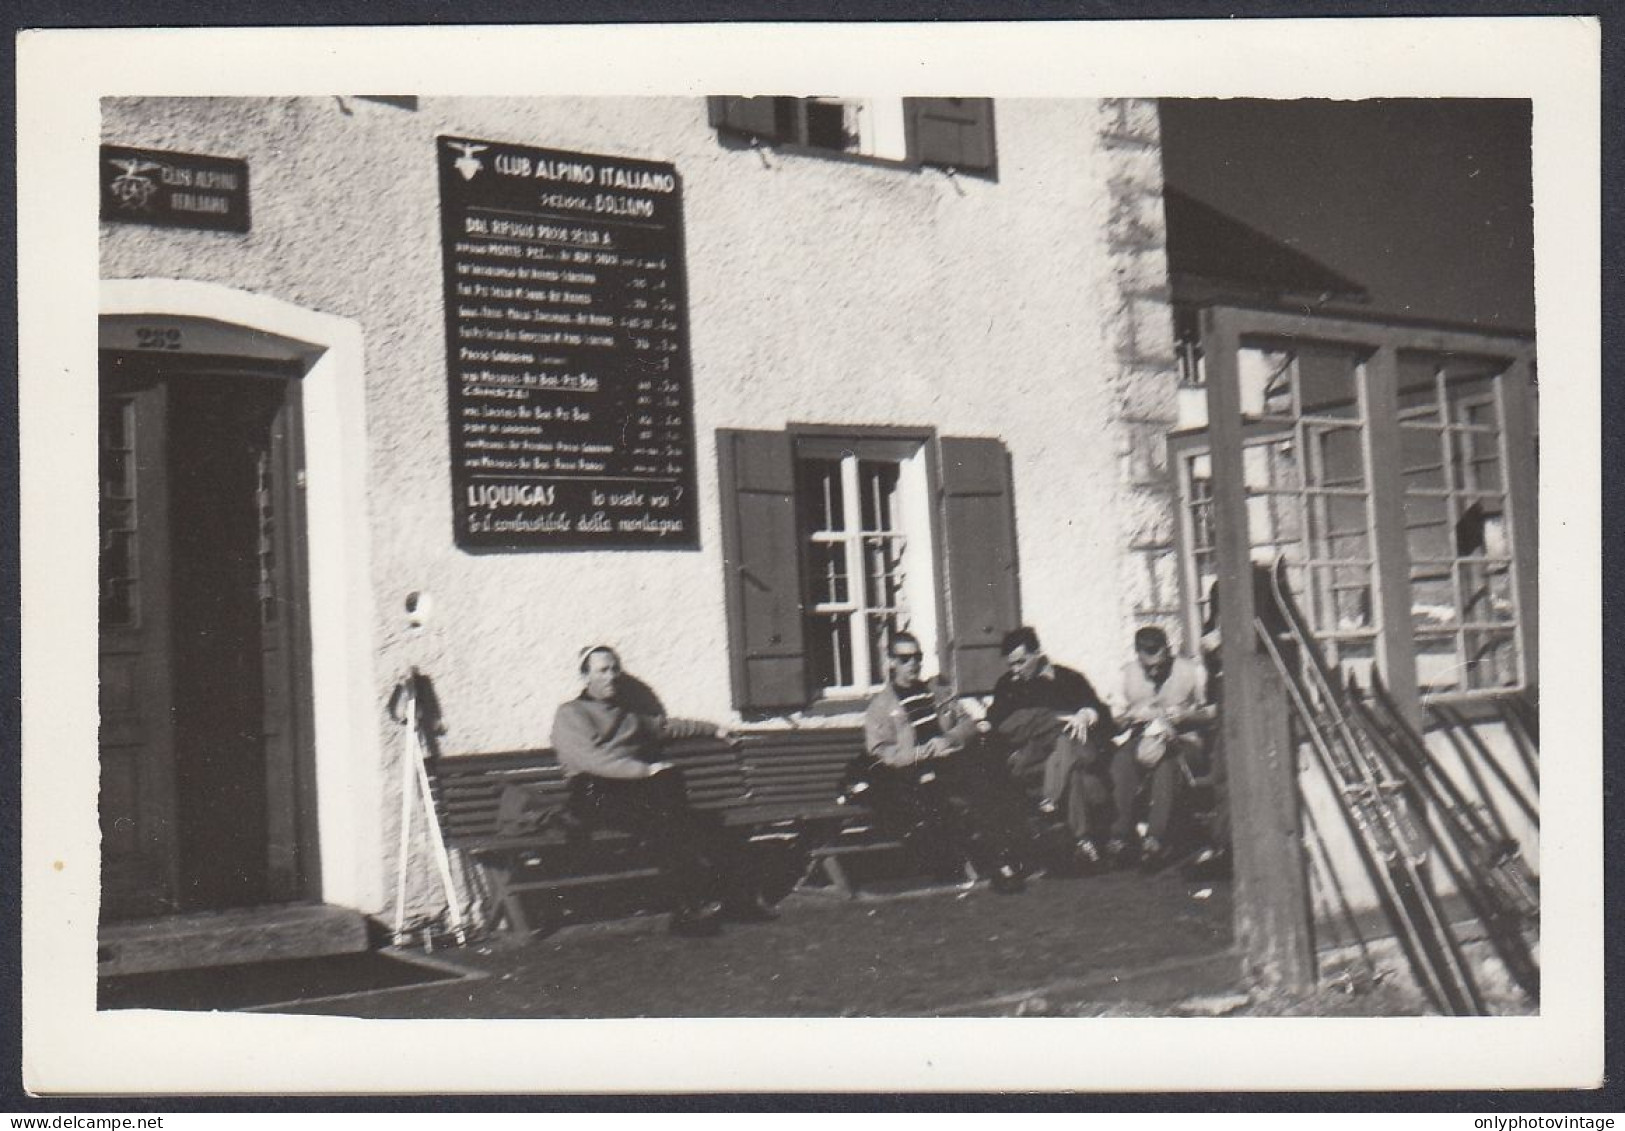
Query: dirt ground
point(1116, 945)
point(1156, 940)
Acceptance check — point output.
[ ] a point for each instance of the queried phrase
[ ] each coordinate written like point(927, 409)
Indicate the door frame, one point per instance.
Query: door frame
point(210, 318)
point(292, 847)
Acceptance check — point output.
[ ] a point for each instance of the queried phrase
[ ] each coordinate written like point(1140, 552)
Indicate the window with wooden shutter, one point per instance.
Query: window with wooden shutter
point(761, 563)
point(979, 538)
point(766, 119)
point(952, 133)
point(835, 539)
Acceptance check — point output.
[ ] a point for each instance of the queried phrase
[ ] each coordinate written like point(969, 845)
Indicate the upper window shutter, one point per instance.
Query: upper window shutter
point(953, 132)
point(763, 118)
point(979, 533)
point(761, 561)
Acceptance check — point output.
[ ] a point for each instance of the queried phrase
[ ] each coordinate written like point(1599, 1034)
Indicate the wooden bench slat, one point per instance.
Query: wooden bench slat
point(587, 879)
point(495, 843)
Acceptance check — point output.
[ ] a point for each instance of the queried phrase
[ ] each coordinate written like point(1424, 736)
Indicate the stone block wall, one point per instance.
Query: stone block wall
point(1145, 377)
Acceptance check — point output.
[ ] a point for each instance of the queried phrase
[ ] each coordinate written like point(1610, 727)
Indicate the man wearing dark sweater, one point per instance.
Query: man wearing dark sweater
point(1055, 726)
point(610, 755)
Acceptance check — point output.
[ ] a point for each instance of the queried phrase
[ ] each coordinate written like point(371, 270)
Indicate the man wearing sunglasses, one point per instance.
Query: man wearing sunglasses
point(927, 780)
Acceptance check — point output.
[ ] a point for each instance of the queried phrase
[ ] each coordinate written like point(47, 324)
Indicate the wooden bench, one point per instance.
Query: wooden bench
point(468, 793)
point(779, 785)
point(799, 773)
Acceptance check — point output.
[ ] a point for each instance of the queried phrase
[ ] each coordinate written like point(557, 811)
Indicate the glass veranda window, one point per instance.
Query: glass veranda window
point(1308, 496)
point(1458, 530)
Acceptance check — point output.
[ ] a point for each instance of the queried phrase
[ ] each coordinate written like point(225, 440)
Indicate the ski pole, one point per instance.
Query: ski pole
point(407, 692)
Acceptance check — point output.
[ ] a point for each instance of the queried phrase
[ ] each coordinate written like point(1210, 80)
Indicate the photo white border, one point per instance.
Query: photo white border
point(61, 74)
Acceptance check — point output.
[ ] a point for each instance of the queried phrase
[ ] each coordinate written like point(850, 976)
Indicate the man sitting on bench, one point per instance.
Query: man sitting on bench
point(610, 755)
point(1054, 724)
point(1166, 717)
point(925, 780)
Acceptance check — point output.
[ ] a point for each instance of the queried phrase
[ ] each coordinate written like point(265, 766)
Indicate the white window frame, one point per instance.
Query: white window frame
point(911, 525)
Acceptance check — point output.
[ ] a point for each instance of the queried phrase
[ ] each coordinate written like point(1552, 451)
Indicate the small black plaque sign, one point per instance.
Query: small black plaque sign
point(174, 190)
point(566, 350)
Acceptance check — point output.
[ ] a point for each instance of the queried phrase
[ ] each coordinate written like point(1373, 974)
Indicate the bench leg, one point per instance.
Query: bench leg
point(513, 910)
point(838, 877)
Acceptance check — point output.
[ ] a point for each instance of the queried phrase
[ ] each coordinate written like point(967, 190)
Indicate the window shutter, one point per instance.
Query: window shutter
point(761, 561)
point(956, 133)
point(979, 533)
point(763, 118)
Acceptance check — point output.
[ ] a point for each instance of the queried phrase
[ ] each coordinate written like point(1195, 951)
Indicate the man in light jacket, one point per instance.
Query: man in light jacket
point(927, 778)
point(1166, 717)
point(610, 752)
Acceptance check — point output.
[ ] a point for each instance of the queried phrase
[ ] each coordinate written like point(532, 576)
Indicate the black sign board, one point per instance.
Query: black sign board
point(567, 358)
point(174, 190)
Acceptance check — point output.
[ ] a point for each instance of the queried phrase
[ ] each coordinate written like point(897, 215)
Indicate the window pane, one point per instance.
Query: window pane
point(1472, 398)
point(1492, 660)
point(829, 650)
point(1338, 458)
point(831, 124)
point(1267, 382)
point(1418, 387)
point(116, 435)
point(1433, 597)
point(881, 629)
point(1422, 453)
point(819, 491)
point(878, 482)
point(1419, 405)
point(1480, 531)
point(1486, 592)
point(1343, 600)
point(1428, 531)
point(1326, 383)
point(1207, 576)
point(1338, 523)
point(1353, 656)
point(1438, 664)
point(1201, 526)
point(827, 573)
point(1475, 461)
point(883, 573)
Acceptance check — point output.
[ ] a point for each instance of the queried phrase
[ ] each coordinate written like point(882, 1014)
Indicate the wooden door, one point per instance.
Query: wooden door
point(140, 858)
point(207, 799)
point(279, 523)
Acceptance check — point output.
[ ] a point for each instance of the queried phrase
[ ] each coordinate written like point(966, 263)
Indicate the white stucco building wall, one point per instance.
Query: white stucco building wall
point(1031, 308)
